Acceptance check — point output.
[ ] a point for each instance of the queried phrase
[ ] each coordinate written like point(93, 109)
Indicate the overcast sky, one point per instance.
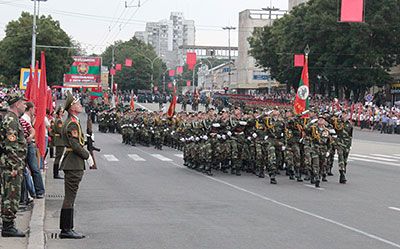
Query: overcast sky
point(97, 23)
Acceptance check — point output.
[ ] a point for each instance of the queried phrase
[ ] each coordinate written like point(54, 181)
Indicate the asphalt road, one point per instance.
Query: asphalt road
point(144, 198)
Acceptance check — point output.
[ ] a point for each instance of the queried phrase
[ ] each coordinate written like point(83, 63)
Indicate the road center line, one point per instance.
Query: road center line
point(372, 236)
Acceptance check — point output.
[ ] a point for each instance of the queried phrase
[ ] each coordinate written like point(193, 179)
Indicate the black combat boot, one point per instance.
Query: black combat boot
point(238, 171)
point(317, 183)
point(67, 224)
point(9, 230)
point(208, 170)
point(298, 176)
point(324, 178)
point(330, 171)
point(342, 178)
point(272, 179)
point(261, 174)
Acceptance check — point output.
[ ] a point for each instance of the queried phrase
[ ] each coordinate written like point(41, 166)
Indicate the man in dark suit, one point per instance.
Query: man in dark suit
point(73, 165)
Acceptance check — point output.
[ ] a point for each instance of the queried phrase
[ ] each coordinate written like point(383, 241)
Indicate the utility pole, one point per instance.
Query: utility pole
point(34, 36)
point(112, 66)
point(229, 47)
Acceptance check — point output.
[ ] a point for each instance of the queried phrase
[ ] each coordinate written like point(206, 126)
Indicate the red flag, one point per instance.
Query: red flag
point(49, 95)
point(352, 11)
point(112, 71)
point(40, 125)
point(191, 60)
point(128, 62)
point(188, 83)
point(352, 112)
point(116, 99)
point(132, 104)
point(171, 109)
point(359, 114)
point(179, 70)
point(171, 73)
point(301, 103)
point(118, 67)
point(29, 86)
point(299, 60)
point(169, 85)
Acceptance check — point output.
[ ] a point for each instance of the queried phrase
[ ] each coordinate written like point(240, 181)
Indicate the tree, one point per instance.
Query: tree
point(15, 48)
point(344, 56)
point(137, 77)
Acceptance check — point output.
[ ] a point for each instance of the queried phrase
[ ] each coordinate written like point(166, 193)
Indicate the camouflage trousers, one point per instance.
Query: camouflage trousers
point(319, 160)
point(293, 157)
point(10, 195)
point(265, 158)
point(343, 155)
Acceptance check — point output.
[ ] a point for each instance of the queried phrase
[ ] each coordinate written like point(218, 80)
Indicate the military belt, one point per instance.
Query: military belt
point(69, 149)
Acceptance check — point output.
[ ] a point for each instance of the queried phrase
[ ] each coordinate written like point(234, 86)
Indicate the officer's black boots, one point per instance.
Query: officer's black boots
point(298, 176)
point(324, 178)
point(261, 174)
point(342, 178)
point(9, 230)
point(55, 172)
point(67, 225)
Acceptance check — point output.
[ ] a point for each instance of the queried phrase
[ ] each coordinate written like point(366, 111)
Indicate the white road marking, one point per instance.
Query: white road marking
point(179, 155)
point(374, 158)
point(374, 161)
point(369, 235)
point(396, 154)
point(111, 158)
point(136, 157)
point(313, 186)
point(393, 157)
point(395, 208)
point(161, 157)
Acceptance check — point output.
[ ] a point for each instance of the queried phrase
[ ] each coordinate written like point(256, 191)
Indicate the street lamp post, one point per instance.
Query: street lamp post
point(194, 70)
point(229, 47)
point(34, 27)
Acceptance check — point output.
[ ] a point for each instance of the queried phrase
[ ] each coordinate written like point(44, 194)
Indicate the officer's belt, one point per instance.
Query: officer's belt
point(68, 150)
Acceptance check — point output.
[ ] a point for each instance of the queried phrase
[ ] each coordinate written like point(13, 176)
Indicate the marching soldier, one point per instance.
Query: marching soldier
point(73, 165)
point(344, 131)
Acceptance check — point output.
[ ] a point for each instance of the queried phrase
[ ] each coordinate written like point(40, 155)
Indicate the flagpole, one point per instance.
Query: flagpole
point(33, 35)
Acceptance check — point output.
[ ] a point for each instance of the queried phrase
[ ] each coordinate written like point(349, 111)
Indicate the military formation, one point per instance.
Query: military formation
point(266, 142)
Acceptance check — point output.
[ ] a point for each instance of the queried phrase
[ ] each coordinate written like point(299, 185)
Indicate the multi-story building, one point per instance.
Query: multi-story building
point(251, 76)
point(166, 36)
point(294, 3)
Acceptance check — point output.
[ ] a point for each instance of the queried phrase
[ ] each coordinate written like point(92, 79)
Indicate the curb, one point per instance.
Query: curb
point(36, 236)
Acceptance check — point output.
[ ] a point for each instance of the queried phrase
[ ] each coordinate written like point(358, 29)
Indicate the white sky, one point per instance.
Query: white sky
point(97, 23)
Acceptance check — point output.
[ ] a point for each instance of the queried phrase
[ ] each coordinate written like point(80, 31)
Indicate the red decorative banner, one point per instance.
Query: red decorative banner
point(299, 60)
point(179, 70)
point(112, 71)
point(128, 62)
point(188, 83)
point(169, 85)
point(171, 73)
point(352, 11)
point(191, 60)
point(118, 67)
point(89, 61)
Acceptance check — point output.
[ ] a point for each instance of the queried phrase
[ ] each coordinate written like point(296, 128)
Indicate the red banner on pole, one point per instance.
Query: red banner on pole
point(169, 85)
point(171, 73)
point(352, 11)
point(128, 62)
point(299, 60)
point(191, 60)
point(118, 67)
point(179, 70)
point(112, 71)
point(188, 83)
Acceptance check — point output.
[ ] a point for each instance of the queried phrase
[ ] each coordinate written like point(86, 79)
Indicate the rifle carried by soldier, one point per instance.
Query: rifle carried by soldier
point(90, 141)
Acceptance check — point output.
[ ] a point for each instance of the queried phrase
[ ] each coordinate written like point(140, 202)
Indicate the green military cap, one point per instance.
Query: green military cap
point(14, 97)
point(70, 101)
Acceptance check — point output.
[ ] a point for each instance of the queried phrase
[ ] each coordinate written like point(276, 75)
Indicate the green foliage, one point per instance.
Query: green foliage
point(137, 77)
point(345, 56)
point(15, 48)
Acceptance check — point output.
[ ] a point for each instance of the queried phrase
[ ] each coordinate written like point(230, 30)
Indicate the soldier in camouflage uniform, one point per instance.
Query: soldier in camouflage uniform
point(344, 131)
point(12, 162)
point(293, 135)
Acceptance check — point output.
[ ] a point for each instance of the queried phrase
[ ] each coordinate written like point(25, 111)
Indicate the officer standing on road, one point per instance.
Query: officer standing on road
point(73, 165)
point(12, 162)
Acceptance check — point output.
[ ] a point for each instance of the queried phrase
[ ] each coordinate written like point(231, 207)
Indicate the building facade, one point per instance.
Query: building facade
point(250, 76)
point(166, 36)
